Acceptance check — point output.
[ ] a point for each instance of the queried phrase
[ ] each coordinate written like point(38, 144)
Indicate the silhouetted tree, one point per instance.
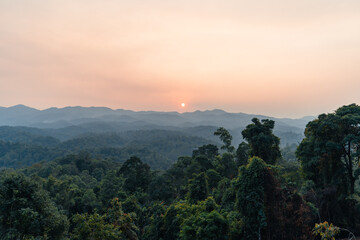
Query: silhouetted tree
point(263, 143)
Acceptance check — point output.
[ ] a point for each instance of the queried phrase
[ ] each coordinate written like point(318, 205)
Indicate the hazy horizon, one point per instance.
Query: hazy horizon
point(180, 112)
point(277, 58)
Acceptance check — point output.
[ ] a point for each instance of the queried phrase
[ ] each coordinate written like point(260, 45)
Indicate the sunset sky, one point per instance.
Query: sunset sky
point(284, 58)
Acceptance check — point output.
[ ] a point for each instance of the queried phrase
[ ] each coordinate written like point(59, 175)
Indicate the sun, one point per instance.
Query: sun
point(182, 104)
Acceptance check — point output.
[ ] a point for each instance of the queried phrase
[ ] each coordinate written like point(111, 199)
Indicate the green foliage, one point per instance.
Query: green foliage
point(16, 155)
point(20, 146)
point(72, 195)
point(205, 226)
point(183, 220)
point(26, 210)
point(198, 188)
point(210, 151)
point(157, 148)
point(136, 173)
point(250, 198)
point(114, 224)
point(131, 205)
point(95, 227)
point(111, 186)
point(213, 179)
point(124, 221)
point(161, 188)
point(329, 156)
point(179, 175)
point(236, 225)
point(226, 138)
point(226, 165)
point(291, 173)
point(29, 136)
point(72, 164)
point(174, 218)
point(154, 231)
point(206, 195)
point(331, 146)
point(242, 154)
point(263, 143)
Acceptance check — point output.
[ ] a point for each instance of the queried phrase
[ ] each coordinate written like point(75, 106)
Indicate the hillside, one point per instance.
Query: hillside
point(23, 146)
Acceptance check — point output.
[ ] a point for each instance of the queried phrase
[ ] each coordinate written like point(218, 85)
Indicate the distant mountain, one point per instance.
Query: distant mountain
point(29, 135)
point(66, 123)
point(16, 115)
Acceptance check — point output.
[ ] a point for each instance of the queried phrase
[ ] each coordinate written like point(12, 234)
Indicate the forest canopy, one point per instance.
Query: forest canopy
point(255, 190)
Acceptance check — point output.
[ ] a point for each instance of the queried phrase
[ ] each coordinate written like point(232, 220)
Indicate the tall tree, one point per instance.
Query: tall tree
point(226, 138)
point(331, 148)
point(250, 198)
point(242, 154)
point(263, 143)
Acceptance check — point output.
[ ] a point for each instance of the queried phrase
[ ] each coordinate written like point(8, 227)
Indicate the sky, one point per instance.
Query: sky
point(282, 58)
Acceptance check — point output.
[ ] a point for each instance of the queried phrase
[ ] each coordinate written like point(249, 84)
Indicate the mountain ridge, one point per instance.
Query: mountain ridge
point(102, 119)
point(215, 110)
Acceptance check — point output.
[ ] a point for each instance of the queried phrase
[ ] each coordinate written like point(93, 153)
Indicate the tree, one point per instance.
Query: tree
point(26, 210)
point(198, 188)
point(250, 198)
point(329, 156)
point(202, 220)
point(114, 224)
point(153, 230)
point(199, 164)
point(174, 217)
point(226, 165)
point(137, 174)
point(161, 188)
point(111, 186)
point(331, 148)
point(226, 138)
point(213, 179)
point(205, 226)
point(242, 154)
point(263, 143)
point(124, 221)
point(94, 227)
point(209, 150)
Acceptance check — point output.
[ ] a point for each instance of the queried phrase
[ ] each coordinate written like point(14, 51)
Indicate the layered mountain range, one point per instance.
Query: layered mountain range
point(29, 135)
point(68, 122)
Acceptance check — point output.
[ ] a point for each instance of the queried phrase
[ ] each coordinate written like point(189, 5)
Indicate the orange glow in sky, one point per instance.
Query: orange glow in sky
point(279, 58)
